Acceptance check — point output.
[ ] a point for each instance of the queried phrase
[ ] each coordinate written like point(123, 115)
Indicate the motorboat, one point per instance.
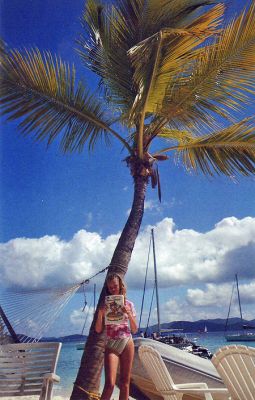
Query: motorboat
point(183, 343)
point(183, 366)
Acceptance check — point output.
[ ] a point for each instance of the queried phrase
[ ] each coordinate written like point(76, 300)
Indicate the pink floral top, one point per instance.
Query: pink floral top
point(122, 330)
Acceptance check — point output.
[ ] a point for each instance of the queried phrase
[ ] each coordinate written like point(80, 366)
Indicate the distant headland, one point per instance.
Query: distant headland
point(212, 325)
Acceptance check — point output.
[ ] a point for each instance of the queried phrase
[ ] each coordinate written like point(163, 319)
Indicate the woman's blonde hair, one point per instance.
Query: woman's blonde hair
point(123, 288)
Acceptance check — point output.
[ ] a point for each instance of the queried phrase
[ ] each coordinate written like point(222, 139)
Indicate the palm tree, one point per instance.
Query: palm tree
point(174, 73)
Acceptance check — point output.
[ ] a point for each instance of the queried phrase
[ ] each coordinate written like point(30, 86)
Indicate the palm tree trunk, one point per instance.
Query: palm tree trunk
point(87, 382)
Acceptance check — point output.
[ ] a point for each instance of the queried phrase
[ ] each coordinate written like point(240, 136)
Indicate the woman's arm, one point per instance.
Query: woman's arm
point(132, 319)
point(100, 321)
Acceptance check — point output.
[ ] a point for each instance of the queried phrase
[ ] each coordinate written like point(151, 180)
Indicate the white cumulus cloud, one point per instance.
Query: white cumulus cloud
point(50, 261)
point(198, 267)
point(187, 257)
point(184, 257)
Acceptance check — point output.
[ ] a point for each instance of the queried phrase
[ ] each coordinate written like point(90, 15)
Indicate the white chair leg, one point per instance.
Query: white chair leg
point(44, 390)
point(49, 391)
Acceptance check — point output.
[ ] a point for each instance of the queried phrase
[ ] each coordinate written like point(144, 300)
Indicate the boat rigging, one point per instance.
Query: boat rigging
point(170, 337)
point(245, 335)
point(180, 358)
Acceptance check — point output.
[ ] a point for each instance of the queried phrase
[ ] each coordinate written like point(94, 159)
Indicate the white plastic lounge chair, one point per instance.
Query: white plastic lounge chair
point(28, 369)
point(236, 367)
point(160, 376)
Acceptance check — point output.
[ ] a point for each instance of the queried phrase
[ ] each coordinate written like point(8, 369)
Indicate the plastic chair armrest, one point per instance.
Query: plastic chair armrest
point(201, 385)
point(51, 377)
point(197, 390)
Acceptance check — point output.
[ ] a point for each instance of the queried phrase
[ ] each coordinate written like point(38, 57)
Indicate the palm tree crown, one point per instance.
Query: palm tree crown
point(168, 70)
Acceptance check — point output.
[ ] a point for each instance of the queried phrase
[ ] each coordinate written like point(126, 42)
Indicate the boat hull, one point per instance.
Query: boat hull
point(241, 338)
point(184, 368)
point(80, 346)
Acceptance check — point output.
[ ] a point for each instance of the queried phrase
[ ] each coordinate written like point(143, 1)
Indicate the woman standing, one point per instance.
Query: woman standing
point(119, 346)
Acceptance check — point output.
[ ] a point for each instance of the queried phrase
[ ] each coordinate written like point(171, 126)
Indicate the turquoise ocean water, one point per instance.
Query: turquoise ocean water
point(70, 357)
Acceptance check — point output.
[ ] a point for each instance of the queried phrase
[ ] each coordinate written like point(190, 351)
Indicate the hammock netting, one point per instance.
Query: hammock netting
point(26, 315)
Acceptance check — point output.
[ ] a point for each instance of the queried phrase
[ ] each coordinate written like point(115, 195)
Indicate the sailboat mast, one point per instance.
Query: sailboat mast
point(239, 301)
point(156, 279)
point(94, 298)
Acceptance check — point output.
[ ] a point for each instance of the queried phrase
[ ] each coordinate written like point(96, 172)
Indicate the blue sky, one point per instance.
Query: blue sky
point(80, 202)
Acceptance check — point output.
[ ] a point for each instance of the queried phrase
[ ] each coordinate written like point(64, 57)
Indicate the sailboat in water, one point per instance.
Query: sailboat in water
point(245, 335)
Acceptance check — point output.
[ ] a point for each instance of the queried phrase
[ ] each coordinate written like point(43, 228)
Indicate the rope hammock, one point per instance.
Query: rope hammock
point(31, 312)
point(26, 315)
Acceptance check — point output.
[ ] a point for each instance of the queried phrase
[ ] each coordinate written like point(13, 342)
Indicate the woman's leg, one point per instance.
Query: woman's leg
point(126, 361)
point(111, 362)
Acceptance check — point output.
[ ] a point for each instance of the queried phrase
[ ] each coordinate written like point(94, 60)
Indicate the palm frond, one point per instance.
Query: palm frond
point(103, 48)
point(174, 14)
point(41, 91)
point(131, 14)
point(144, 18)
point(155, 180)
point(223, 78)
point(175, 135)
point(110, 30)
point(2, 49)
point(157, 59)
point(229, 151)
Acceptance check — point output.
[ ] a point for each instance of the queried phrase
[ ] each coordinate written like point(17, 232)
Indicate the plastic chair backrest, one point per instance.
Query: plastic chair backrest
point(158, 372)
point(236, 366)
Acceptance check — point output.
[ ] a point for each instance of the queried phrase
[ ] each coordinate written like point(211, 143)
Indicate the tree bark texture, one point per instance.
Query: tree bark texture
point(87, 382)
